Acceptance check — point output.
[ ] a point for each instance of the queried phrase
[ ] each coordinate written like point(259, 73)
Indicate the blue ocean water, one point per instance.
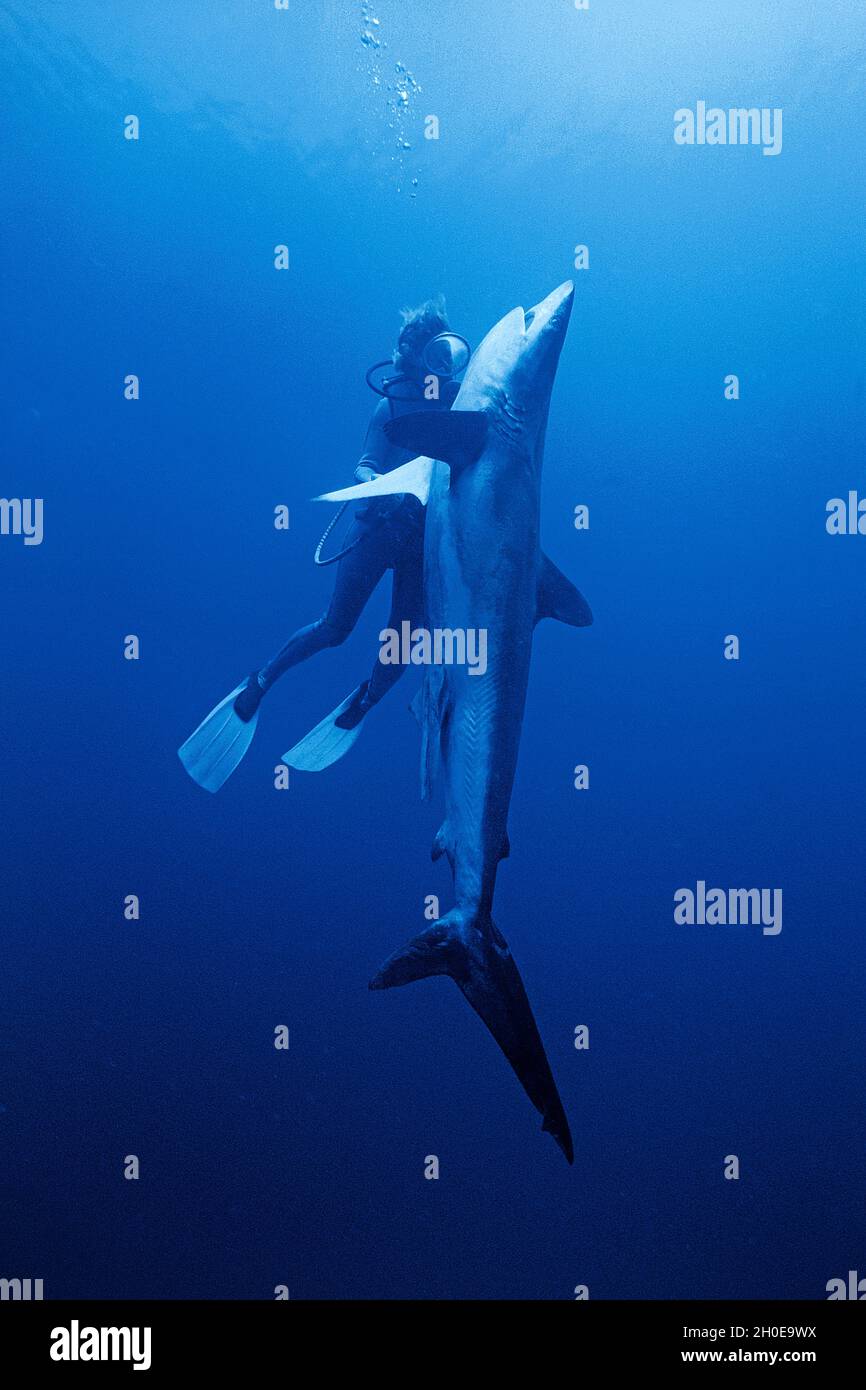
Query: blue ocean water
point(305, 127)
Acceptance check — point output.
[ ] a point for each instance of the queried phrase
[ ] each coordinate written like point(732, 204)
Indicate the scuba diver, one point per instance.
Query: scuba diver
point(386, 533)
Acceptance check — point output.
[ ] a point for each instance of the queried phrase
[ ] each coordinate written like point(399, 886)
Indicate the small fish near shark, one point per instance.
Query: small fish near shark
point(478, 472)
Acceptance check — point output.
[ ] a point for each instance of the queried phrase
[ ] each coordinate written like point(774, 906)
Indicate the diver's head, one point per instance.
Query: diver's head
point(420, 326)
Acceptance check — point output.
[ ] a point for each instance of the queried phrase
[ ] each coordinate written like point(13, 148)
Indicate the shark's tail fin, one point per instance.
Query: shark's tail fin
point(477, 958)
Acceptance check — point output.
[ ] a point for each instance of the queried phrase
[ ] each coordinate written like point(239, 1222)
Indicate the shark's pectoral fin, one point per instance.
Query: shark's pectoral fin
point(478, 960)
point(413, 477)
point(558, 598)
point(454, 436)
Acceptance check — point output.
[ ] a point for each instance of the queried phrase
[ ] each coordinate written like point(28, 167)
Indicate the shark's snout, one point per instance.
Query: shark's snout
point(517, 360)
point(554, 309)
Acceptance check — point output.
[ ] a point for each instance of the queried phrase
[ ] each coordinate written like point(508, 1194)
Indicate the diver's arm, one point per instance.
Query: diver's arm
point(373, 460)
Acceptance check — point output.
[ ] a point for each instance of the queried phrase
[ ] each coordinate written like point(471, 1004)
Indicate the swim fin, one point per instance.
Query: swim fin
point(327, 743)
point(212, 753)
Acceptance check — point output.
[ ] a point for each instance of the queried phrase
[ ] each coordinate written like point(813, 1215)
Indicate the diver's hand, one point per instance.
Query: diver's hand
point(365, 474)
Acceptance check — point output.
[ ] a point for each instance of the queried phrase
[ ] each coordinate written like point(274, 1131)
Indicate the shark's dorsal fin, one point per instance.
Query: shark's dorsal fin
point(558, 598)
point(413, 477)
point(454, 436)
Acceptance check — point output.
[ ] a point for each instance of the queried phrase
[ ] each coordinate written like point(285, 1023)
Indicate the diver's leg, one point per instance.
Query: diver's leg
point(358, 573)
point(406, 606)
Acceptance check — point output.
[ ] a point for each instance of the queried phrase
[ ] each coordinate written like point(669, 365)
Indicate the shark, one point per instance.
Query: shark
point(478, 471)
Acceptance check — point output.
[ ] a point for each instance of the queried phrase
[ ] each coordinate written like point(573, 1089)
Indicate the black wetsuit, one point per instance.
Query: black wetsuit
point(386, 533)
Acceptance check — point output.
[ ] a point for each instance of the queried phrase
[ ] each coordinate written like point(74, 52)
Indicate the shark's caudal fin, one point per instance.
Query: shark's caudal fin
point(478, 960)
point(454, 436)
point(413, 477)
point(558, 598)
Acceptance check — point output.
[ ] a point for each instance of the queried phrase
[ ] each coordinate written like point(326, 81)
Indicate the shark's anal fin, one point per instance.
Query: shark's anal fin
point(440, 843)
point(558, 598)
point(454, 436)
point(479, 962)
point(413, 477)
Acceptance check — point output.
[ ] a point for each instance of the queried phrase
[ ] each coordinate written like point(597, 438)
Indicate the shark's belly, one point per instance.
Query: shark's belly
point(485, 715)
point(485, 581)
